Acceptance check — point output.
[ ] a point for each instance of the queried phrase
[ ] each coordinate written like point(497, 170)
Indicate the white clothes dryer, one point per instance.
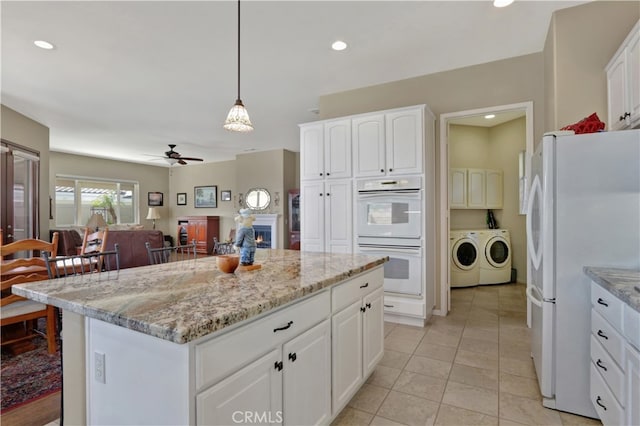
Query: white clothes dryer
point(465, 255)
point(495, 256)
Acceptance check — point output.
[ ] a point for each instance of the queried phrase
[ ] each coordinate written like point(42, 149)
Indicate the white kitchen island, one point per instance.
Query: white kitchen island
point(183, 343)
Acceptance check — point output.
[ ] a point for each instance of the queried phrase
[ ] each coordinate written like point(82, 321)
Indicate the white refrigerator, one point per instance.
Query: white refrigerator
point(583, 210)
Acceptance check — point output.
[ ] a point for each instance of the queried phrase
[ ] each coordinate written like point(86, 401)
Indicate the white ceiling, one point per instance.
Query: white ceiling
point(128, 78)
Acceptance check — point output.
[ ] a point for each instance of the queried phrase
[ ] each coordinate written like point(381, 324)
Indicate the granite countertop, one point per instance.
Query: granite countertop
point(622, 283)
point(182, 301)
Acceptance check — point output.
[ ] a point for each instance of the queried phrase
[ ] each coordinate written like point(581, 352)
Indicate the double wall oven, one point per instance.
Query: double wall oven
point(389, 222)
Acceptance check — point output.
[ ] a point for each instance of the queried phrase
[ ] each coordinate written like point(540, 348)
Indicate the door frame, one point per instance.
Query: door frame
point(443, 225)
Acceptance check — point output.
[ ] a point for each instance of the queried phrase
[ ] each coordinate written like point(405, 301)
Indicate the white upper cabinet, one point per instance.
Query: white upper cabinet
point(325, 150)
point(388, 144)
point(475, 188)
point(368, 145)
point(623, 83)
point(404, 141)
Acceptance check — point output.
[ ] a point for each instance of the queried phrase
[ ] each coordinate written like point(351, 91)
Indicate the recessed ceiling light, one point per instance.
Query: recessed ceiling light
point(502, 3)
point(490, 116)
point(43, 44)
point(339, 45)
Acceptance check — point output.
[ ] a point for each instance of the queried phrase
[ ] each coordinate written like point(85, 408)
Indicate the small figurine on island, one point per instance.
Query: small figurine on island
point(246, 237)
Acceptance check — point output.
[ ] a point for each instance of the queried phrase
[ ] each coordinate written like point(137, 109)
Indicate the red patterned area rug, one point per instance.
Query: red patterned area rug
point(29, 376)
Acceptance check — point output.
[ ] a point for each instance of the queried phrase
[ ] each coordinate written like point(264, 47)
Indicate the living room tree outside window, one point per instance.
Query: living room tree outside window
point(77, 199)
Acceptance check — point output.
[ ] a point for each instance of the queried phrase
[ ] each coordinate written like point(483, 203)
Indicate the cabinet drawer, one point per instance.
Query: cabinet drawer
point(631, 326)
point(610, 372)
point(404, 307)
point(608, 337)
point(220, 356)
point(609, 411)
point(607, 305)
point(345, 294)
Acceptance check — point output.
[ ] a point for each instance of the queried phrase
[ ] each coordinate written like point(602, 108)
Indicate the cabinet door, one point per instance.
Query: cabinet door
point(494, 189)
point(346, 357)
point(458, 188)
point(632, 371)
point(338, 220)
point(312, 215)
point(404, 140)
point(617, 92)
point(337, 149)
point(373, 330)
point(256, 389)
point(307, 377)
point(633, 67)
point(311, 151)
point(368, 145)
point(475, 189)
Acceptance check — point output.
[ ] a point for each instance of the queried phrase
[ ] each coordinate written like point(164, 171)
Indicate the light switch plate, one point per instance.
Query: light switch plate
point(99, 367)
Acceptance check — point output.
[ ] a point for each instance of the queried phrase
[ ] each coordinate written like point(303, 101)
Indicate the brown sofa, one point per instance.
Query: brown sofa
point(130, 243)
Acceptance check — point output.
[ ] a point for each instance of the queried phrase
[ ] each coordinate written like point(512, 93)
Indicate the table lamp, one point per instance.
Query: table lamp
point(153, 215)
point(96, 221)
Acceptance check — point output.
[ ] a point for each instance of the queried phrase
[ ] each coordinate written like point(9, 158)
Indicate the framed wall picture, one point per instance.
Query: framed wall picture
point(182, 198)
point(154, 199)
point(225, 195)
point(206, 196)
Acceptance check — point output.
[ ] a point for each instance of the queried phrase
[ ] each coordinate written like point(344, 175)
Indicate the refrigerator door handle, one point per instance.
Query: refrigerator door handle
point(532, 298)
point(536, 192)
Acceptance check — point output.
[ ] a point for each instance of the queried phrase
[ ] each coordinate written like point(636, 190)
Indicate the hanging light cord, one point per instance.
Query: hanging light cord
point(238, 50)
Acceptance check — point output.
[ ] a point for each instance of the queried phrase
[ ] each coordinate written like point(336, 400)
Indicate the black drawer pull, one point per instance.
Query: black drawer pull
point(292, 357)
point(363, 309)
point(278, 365)
point(599, 364)
point(283, 328)
point(388, 306)
point(602, 302)
point(600, 403)
point(601, 334)
point(368, 305)
point(365, 285)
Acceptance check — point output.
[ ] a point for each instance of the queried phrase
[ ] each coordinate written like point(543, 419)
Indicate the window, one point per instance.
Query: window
point(77, 199)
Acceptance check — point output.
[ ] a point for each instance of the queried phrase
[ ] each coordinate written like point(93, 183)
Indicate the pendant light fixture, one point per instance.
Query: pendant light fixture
point(238, 118)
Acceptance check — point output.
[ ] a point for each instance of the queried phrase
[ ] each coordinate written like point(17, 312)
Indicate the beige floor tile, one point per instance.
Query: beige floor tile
point(443, 338)
point(517, 334)
point(527, 411)
point(518, 367)
point(352, 417)
point(506, 422)
point(381, 421)
point(448, 328)
point(473, 376)
point(426, 387)
point(429, 367)
point(384, 376)
point(435, 351)
point(455, 416)
point(462, 294)
point(407, 332)
point(476, 359)
point(408, 409)
point(569, 419)
point(471, 398)
point(368, 398)
point(481, 346)
point(388, 328)
point(478, 333)
point(400, 344)
point(394, 359)
point(520, 386)
point(515, 350)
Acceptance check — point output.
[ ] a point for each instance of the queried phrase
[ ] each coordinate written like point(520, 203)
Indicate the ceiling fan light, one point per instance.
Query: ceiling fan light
point(171, 161)
point(238, 119)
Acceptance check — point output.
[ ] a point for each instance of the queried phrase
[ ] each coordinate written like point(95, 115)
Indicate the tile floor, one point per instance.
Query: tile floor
point(472, 367)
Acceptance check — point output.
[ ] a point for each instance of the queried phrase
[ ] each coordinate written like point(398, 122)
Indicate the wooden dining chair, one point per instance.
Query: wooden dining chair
point(18, 270)
point(169, 254)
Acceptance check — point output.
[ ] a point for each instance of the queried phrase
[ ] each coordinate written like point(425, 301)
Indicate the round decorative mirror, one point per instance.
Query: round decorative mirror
point(257, 199)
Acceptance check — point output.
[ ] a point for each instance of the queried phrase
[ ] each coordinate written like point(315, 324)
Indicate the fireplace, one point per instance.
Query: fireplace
point(266, 229)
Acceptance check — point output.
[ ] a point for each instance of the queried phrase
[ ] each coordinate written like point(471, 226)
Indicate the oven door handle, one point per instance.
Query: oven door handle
point(405, 250)
point(386, 194)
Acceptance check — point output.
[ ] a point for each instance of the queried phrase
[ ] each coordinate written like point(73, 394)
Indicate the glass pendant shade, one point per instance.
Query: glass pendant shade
point(238, 119)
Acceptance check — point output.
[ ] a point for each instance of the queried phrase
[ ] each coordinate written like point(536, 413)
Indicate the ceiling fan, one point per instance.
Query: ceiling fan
point(172, 157)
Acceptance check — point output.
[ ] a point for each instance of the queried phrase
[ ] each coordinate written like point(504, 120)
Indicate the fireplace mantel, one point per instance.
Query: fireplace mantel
point(269, 220)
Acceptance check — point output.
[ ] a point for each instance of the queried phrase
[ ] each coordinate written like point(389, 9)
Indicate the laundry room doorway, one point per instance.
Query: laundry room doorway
point(490, 141)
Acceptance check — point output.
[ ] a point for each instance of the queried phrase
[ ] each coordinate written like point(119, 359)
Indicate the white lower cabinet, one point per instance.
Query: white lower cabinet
point(357, 335)
point(632, 386)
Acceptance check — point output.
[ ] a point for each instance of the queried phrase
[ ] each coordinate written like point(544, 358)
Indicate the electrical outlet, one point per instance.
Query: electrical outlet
point(99, 365)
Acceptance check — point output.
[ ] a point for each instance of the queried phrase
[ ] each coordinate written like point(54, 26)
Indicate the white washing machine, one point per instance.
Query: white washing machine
point(495, 256)
point(465, 255)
